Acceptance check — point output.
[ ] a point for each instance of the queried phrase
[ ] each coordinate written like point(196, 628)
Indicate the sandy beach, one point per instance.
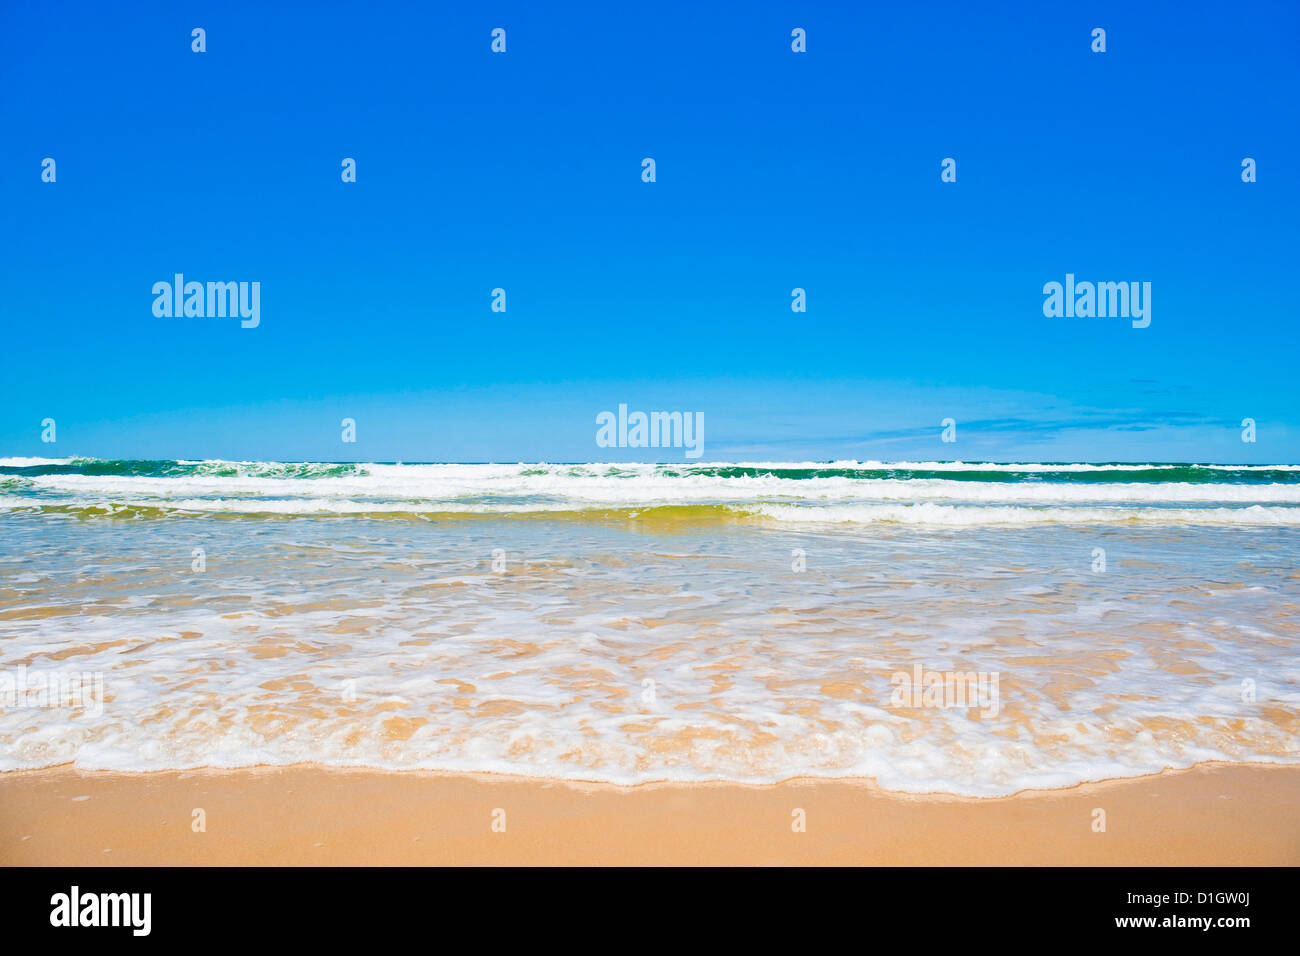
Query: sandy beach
point(947, 663)
point(304, 815)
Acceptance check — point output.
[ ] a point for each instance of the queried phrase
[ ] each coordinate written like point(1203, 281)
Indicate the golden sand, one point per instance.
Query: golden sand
point(307, 815)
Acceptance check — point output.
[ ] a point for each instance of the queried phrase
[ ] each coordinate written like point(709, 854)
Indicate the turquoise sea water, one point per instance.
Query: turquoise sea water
point(629, 623)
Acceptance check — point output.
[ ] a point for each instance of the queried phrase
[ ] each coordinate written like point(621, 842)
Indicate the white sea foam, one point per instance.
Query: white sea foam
point(981, 516)
point(267, 488)
point(759, 674)
point(761, 669)
point(1081, 467)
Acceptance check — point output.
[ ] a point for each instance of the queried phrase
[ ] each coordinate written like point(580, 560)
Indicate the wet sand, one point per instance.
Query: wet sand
point(308, 815)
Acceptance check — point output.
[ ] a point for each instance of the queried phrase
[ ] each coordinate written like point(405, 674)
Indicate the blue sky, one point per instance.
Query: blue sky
point(775, 170)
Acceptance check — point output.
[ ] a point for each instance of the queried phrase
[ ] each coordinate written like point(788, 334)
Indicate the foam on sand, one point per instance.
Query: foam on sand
point(645, 643)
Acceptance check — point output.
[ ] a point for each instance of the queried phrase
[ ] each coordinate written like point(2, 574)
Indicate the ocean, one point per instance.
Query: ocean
point(936, 627)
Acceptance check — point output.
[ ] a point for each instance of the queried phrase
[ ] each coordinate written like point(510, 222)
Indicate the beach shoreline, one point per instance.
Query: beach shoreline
point(1211, 814)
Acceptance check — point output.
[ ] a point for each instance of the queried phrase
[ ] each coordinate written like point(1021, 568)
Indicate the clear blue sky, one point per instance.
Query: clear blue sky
point(775, 170)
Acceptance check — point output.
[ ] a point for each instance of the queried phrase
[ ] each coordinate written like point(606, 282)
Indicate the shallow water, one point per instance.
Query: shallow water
point(632, 642)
